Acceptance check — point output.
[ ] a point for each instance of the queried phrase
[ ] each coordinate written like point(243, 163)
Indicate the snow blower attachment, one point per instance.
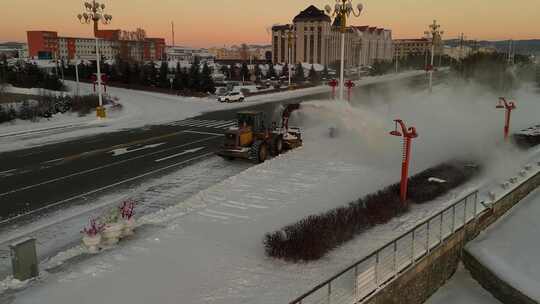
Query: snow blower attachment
point(250, 139)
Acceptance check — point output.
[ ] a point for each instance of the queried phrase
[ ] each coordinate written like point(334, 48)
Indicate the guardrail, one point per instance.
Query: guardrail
point(362, 279)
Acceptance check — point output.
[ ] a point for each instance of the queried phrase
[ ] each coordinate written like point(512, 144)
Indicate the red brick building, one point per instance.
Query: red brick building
point(48, 45)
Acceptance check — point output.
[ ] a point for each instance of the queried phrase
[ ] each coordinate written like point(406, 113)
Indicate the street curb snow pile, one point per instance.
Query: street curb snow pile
point(314, 236)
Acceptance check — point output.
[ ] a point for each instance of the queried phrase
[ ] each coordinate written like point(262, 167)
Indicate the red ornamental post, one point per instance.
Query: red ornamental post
point(333, 83)
point(93, 78)
point(408, 134)
point(349, 84)
point(508, 106)
point(104, 80)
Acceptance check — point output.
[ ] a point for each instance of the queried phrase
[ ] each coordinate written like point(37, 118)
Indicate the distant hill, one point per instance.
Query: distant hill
point(524, 47)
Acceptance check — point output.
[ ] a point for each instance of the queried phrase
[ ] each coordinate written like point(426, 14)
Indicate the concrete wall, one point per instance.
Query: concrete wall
point(501, 290)
point(418, 283)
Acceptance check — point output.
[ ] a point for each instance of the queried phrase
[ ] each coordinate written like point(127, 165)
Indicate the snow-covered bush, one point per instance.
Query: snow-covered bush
point(314, 236)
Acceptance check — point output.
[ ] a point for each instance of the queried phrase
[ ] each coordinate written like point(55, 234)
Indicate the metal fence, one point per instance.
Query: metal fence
point(364, 278)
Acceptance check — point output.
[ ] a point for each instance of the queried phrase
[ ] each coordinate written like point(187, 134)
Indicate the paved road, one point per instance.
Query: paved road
point(45, 178)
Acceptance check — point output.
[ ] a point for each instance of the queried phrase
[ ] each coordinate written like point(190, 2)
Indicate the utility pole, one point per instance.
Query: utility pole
point(172, 27)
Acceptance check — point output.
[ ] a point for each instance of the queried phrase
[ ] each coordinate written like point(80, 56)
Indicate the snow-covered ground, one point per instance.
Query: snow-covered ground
point(510, 247)
point(208, 248)
point(462, 289)
point(139, 109)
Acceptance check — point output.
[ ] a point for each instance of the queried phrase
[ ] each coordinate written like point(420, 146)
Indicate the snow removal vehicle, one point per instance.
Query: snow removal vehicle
point(254, 141)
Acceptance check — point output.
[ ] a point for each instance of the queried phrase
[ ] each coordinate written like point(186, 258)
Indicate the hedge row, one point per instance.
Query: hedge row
point(313, 237)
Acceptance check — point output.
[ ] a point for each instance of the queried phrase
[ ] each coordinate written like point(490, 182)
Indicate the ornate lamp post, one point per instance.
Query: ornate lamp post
point(342, 10)
point(408, 134)
point(94, 13)
point(434, 33)
point(508, 106)
point(290, 35)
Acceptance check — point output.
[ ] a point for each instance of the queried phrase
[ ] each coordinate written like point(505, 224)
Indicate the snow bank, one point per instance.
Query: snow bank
point(462, 289)
point(510, 248)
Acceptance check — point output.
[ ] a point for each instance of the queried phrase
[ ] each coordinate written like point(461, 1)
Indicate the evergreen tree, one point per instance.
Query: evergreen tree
point(538, 75)
point(314, 76)
point(271, 71)
point(3, 69)
point(184, 78)
point(258, 72)
point(226, 71)
point(150, 74)
point(135, 75)
point(299, 75)
point(325, 75)
point(195, 75)
point(285, 70)
point(3, 115)
point(125, 72)
point(177, 84)
point(244, 72)
point(163, 72)
point(207, 82)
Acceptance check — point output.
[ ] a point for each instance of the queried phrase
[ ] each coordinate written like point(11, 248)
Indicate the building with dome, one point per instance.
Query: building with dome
point(316, 40)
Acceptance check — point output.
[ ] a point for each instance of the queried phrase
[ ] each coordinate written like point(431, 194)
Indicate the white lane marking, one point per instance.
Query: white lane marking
point(189, 123)
point(218, 123)
point(7, 172)
point(198, 123)
point(247, 205)
point(234, 206)
point(213, 216)
point(104, 166)
point(105, 187)
point(179, 154)
point(122, 151)
point(206, 133)
point(226, 214)
point(53, 160)
point(229, 124)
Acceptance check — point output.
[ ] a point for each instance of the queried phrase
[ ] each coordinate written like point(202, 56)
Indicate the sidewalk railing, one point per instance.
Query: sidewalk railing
point(360, 280)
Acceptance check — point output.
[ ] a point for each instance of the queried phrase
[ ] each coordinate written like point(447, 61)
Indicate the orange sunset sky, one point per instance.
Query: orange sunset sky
point(204, 23)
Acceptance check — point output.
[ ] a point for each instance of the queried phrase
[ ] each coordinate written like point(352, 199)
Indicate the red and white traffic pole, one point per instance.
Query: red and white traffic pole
point(349, 84)
point(333, 83)
point(508, 106)
point(408, 134)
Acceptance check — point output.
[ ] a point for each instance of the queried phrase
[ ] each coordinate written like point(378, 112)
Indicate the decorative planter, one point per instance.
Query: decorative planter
point(92, 242)
point(129, 225)
point(112, 233)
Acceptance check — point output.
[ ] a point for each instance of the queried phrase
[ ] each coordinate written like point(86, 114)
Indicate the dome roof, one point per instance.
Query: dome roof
point(312, 13)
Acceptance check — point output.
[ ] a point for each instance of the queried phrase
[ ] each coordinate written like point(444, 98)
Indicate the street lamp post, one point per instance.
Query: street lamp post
point(508, 106)
point(341, 11)
point(435, 33)
point(408, 134)
point(94, 12)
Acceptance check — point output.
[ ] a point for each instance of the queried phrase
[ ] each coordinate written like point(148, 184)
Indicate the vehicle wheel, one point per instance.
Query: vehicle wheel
point(258, 152)
point(226, 100)
point(241, 99)
point(277, 146)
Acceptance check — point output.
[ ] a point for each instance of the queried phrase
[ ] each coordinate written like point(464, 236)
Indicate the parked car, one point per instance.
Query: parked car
point(232, 97)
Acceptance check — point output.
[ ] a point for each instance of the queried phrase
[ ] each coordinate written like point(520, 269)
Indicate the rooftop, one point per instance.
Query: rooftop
point(312, 13)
